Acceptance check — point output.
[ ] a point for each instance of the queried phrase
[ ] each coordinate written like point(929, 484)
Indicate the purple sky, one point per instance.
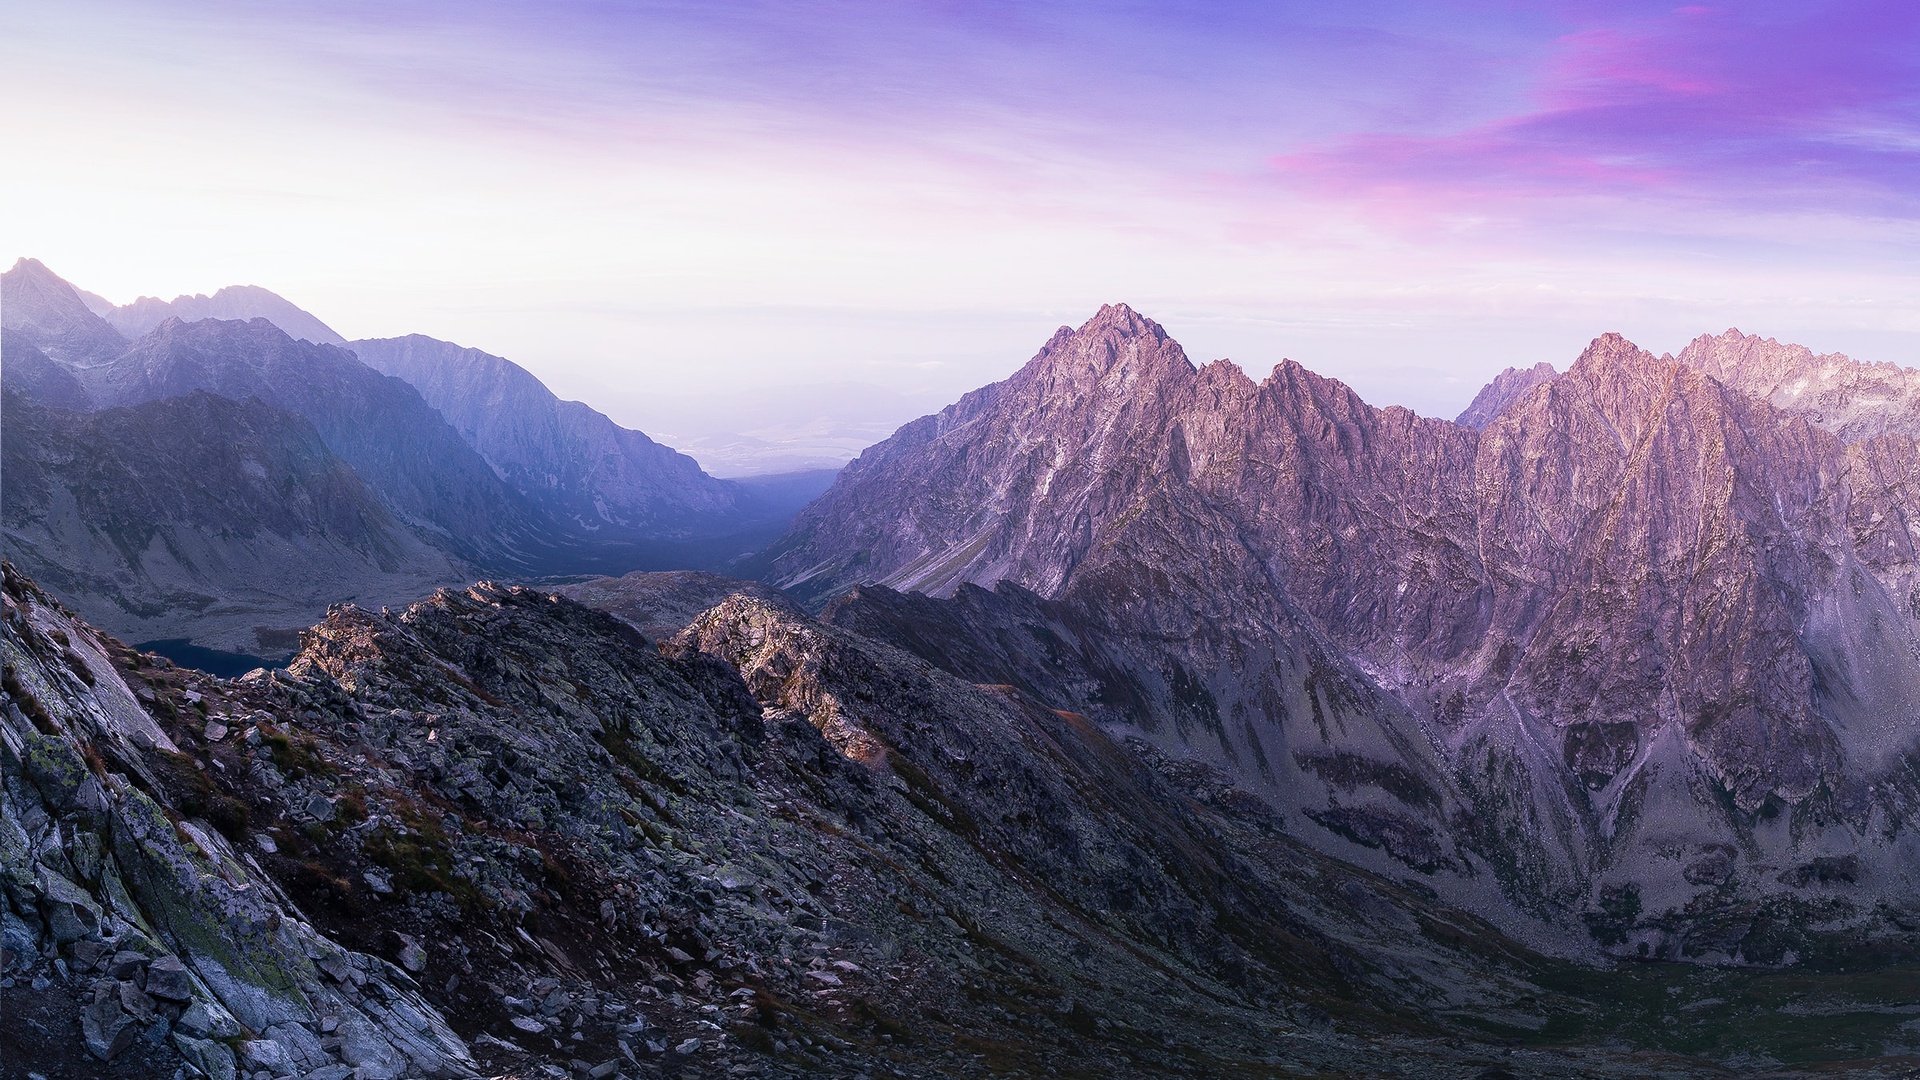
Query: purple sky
point(683, 212)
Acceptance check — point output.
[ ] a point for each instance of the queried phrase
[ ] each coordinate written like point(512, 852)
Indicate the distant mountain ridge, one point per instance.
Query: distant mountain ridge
point(1506, 388)
point(564, 489)
point(563, 453)
point(235, 303)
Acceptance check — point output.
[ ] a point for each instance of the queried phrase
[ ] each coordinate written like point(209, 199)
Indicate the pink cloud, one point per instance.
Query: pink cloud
point(1814, 108)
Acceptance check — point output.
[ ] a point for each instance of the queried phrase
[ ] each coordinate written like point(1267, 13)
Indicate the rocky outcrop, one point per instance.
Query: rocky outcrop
point(142, 938)
point(1640, 612)
point(235, 303)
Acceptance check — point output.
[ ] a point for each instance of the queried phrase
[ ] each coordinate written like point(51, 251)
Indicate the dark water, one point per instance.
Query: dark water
point(226, 665)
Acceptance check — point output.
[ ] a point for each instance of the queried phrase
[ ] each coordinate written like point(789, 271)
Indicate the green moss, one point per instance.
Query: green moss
point(28, 702)
point(294, 756)
point(420, 858)
point(55, 767)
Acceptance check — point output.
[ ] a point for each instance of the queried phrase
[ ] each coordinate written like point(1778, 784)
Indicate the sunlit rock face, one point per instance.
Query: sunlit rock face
point(1634, 630)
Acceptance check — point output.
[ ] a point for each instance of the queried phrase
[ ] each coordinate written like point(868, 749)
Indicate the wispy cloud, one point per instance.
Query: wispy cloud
point(1759, 109)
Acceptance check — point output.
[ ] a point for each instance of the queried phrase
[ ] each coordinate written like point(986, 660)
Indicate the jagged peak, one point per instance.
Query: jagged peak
point(1292, 375)
point(232, 302)
point(1124, 319)
point(34, 275)
point(50, 310)
point(1115, 338)
point(1501, 394)
point(1613, 354)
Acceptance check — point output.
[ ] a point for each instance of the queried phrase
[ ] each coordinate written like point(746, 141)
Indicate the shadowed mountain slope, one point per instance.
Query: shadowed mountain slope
point(404, 450)
point(576, 462)
point(154, 527)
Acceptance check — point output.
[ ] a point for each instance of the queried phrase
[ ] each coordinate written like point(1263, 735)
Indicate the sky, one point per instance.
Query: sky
point(769, 233)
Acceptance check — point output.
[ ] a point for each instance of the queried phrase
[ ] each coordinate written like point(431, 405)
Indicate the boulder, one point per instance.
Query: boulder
point(106, 1028)
point(167, 979)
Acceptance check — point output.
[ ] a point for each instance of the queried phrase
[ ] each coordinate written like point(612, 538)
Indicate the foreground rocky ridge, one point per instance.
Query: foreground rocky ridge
point(1646, 642)
point(500, 832)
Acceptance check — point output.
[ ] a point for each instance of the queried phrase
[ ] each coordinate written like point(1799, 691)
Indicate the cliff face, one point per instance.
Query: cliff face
point(1641, 612)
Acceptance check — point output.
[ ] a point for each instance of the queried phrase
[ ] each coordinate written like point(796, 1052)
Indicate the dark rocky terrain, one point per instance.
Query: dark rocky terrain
point(1642, 651)
point(500, 833)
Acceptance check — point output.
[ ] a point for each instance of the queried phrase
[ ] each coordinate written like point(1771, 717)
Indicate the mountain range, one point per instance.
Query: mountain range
point(525, 485)
point(1644, 641)
point(1126, 717)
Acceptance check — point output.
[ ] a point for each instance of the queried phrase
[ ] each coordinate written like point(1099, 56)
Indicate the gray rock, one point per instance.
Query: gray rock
point(413, 958)
point(106, 1029)
point(320, 808)
point(71, 913)
point(207, 1020)
point(301, 1044)
point(267, 1054)
point(89, 955)
point(213, 1059)
point(127, 964)
point(362, 1047)
point(167, 978)
point(136, 1003)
